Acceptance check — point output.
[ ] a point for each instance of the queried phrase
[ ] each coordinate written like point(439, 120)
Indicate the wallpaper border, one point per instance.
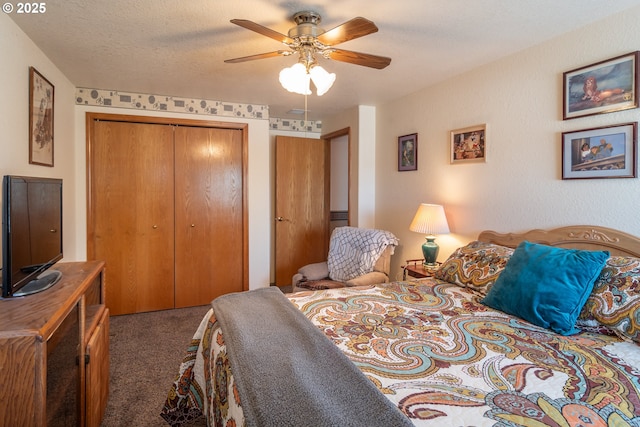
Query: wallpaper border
point(203, 107)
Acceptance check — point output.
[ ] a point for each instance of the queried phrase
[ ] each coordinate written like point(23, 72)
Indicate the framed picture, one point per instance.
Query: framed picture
point(469, 144)
point(408, 152)
point(604, 152)
point(603, 87)
point(41, 93)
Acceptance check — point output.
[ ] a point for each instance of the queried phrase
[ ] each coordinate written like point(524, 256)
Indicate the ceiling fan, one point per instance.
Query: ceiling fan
point(308, 40)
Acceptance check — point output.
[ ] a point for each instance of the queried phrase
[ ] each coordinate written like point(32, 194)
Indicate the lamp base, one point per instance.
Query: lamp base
point(430, 251)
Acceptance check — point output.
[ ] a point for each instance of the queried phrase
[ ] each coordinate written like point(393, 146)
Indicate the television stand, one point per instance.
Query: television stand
point(54, 351)
point(45, 280)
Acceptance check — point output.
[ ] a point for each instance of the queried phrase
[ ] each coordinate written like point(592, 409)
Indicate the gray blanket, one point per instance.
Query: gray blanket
point(288, 373)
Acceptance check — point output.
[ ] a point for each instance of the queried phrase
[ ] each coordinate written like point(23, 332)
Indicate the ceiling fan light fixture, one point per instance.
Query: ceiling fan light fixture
point(307, 40)
point(322, 79)
point(296, 79)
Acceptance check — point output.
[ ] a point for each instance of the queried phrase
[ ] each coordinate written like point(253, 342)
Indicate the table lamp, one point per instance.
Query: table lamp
point(430, 220)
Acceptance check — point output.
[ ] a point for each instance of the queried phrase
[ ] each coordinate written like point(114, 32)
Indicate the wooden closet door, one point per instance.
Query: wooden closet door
point(132, 192)
point(209, 217)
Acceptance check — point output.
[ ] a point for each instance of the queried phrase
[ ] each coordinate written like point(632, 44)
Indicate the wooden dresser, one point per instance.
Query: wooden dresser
point(54, 351)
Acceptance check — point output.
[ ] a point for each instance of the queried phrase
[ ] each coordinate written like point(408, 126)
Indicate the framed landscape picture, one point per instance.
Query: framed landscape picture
point(604, 152)
point(408, 152)
point(603, 87)
point(41, 97)
point(469, 144)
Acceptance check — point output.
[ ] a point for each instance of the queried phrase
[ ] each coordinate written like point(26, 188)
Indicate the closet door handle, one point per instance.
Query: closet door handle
point(154, 226)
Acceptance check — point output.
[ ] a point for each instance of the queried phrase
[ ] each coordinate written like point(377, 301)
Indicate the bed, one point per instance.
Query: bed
point(437, 351)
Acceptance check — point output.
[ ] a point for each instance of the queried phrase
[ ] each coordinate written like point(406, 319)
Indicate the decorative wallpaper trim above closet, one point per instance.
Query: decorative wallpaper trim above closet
point(204, 107)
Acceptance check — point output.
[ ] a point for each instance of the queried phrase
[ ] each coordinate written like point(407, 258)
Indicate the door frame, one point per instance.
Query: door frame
point(336, 134)
point(92, 117)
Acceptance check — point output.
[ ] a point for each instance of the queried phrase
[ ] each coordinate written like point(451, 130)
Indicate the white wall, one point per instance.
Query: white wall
point(520, 186)
point(17, 54)
point(339, 174)
point(366, 167)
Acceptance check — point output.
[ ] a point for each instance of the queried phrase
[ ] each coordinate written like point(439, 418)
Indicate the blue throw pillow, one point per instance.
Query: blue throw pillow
point(547, 286)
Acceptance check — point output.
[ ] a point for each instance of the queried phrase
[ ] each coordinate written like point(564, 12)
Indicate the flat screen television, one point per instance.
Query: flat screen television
point(31, 234)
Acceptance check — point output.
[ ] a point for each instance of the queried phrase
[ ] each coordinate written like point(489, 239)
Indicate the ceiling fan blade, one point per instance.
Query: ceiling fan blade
point(358, 58)
point(357, 27)
point(260, 29)
point(260, 56)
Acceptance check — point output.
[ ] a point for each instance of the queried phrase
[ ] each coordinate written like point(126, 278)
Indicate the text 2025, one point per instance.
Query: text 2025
point(31, 8)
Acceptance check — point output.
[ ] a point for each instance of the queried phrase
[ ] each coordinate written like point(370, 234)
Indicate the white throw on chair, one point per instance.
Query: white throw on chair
point(357, 256)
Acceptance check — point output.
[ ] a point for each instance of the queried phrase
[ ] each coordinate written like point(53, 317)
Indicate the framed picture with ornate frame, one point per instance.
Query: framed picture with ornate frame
point(603, 87)
point(603, 152)
point(408, 152)
point(41, 97)
point(469, 144)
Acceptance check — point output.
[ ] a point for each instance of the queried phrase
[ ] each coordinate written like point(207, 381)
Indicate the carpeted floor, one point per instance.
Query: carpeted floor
point(146, 350)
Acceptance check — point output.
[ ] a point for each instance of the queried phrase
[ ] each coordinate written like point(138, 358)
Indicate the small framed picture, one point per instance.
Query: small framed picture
point(41, 96)
point(469, 144)
point(408, 152)
point(604, 152)
point(603, 87)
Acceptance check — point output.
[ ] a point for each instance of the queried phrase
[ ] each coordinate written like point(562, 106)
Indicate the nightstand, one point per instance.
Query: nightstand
point(416, 269)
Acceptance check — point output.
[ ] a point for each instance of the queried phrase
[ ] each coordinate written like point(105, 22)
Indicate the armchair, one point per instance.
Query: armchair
point(357, 256)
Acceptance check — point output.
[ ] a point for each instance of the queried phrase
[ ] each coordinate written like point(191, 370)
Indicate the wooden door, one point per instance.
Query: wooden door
point(97, 373)
point(131, 224)
point(302, 205)
point(209, 214)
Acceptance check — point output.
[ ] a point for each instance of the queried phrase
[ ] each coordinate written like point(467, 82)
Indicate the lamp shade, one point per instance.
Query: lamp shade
point(322, 79)
point(430, 219)
point(295, 79)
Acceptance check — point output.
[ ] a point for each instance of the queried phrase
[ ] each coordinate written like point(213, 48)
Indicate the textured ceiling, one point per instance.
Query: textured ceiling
point(177, 48)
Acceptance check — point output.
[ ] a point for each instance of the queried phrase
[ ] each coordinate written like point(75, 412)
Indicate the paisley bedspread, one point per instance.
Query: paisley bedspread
point(443, 358)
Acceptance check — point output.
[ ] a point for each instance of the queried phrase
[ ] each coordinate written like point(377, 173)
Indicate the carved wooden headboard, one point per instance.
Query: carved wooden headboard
point(590, 237)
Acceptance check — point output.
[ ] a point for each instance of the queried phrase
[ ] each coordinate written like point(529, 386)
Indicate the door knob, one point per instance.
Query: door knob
point(280, 219)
